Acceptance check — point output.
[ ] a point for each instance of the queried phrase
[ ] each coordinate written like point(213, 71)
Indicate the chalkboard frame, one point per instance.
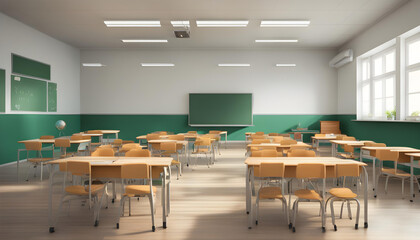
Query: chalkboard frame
point(30, 61)
point(221, 125)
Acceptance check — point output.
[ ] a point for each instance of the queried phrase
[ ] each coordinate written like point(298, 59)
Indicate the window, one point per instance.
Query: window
point(377, 85)
point(413, 77)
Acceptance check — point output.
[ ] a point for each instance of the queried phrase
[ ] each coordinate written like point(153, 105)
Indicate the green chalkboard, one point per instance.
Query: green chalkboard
point(52, 97)
point(2, 90)
point(220, 109)
point(31, 68)
point(28, 94)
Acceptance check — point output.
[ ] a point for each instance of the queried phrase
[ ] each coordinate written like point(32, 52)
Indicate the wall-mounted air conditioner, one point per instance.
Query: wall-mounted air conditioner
point(342, 58)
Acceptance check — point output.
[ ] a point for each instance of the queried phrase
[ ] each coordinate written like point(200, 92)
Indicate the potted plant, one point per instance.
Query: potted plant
point(390, 115)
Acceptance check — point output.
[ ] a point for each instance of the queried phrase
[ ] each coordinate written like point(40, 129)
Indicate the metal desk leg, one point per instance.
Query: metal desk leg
point(333, 149)
point(247, 188)
point(365, 197)
point(411, 179)
point(116, 135)
point(250, 170)
point(50, 215)
point(164, 198)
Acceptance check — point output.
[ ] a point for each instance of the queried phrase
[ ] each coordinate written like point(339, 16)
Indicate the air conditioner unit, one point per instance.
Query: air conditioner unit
point(342, 58)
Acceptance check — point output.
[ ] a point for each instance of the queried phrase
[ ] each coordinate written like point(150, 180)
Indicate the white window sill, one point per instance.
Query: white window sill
point(390, 121)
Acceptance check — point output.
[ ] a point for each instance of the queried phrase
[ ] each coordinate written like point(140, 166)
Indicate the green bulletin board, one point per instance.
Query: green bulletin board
point(28, 94)
point(31, 68)
point(52, 97)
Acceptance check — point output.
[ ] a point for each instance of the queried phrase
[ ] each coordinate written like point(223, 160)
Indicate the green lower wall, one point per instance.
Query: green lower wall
point(132, 126)
point(16, 127)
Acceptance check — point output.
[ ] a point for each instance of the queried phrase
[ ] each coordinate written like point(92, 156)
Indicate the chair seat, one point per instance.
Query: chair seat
point(270, 193)
point(308, 194)
point(83, 190)
point(347, 155)
point(134, 190)
point(175, 162)
point(397, 172)
point(343, 193)
point(37, 160)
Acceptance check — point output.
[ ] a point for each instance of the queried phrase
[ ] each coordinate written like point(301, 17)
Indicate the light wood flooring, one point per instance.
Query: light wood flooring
point(207, 203)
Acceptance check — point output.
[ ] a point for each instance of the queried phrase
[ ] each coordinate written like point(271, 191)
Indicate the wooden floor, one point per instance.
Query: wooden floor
point(207, 203)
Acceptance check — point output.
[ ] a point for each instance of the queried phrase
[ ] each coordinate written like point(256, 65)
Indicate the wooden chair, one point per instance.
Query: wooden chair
point(169, 149)
point(192, 132)
point(127, 147)
point(203, 146)
point(153, 147)
point(94, 144)
point(284, 135)
point(309, 171)
point(63, 144)
point(344, 194)
point(90, 192)
point(137, 171)
point(103, 152)
point(259, 133)
point(270, 172)
point(127, 141)
point(287, 142)
point(39, 160)
point(264, 153)
point(136, 152)
point(329, 127)
point(254, 136)
point(277, 139)
point(273, 134)
point(297, 152)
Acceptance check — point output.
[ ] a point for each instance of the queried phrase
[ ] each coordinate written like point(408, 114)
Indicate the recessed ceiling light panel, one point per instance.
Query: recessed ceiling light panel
point(234, 64)
point(185, 24)
point(285, 23)
point(277, 41)
point(285, 65)
point(157, 64)
point(132, 23)
point(221, 23)
point(144, 40)
point(92, 65)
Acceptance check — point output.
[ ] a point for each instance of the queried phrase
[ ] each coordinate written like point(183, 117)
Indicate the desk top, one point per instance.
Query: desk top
point(415, 155)
point(89, 134)
point(145, 137)
point(331, 137)
point(294, 161)
point(393, 149)
point(118, 161)
point(351, 143)
point(300, 144)
point(52, 141)
point(109, 131)
point(168, 140)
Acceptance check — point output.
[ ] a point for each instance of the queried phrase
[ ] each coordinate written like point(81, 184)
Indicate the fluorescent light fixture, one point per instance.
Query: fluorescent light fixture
point(234, 64)
point(144, 40)
point(132, 23)
point(285, 23)
point(222, 23)
point(277, 41)
point(285, 65)
point(93, 65)
point(180, 23)
point(157, 64)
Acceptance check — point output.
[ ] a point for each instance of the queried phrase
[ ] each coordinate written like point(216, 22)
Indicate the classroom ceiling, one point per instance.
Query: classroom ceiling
point(80, 22)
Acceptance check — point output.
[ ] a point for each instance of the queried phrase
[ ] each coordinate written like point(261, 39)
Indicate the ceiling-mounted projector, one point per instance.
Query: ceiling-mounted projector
point(182, 34)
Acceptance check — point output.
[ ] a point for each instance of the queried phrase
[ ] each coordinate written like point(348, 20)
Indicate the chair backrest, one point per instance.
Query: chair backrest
point(162, 132)
point(374, 144)
point(347, 170)
point(310, 170)
point(254, 136)
point(192, 132)
point(273, 134)
point(179, 137)
point(94, 131)
point(103, 152)
point(386, 155)
point(277, 139)
point(202, 141)
point(117, 142)
point(284, 134)
point(296, 152)
point(62, 142)
point(135, 170)
point(259, 133)
point(78, 168)
point(127, 141)
point(258, 141)
point(346, 138)
point(76, 137)
point(264, 153)
point(138, 153)
point(168, 146)
point(348, 148)
point(215, 132)
point(46, 137)
point(33, 146)
point(319, 135)
point(152, 136)
point(330, 127)
point(271, 169)
point(129, 146)
point(288, 142)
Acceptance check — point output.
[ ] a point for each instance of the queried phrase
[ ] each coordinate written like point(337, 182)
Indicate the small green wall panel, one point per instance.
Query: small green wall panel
point(29, 67)
point(19, 127)
point(28, 94)
point(52, 97)
point(2, 90)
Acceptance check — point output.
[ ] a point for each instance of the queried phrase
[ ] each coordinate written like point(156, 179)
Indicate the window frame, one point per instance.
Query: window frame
point(407, 69)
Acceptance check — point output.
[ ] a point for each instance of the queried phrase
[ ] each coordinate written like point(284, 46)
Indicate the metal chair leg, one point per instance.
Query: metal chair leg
point(356, 226)
point(386, 184)
point(332, 214)
point(349, 209)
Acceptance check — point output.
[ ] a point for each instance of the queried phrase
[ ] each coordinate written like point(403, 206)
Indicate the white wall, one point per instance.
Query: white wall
point(124, 87)
point(400, 21)
point(23, 40)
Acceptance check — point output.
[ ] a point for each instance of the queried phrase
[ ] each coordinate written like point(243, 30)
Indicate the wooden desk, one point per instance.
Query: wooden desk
point(303, 132)
point(43, 141)
point(110, 167)
point(327, 138)
point(111, 132)
point(413, 157)
point(183, 143)
point(402, 158)
point(355, 144)
point(278, 146)
point(290, 164)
